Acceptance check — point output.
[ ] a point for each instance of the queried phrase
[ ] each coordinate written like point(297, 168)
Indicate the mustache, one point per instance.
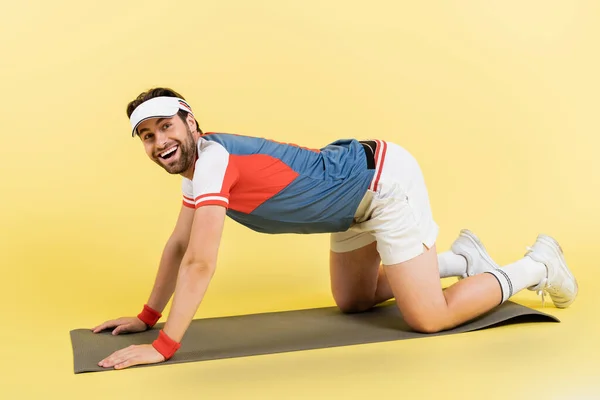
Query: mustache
point(167, 145)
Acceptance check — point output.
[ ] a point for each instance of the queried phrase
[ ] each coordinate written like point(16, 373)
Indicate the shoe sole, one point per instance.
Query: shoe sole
point(557, 249)
point(479, 246)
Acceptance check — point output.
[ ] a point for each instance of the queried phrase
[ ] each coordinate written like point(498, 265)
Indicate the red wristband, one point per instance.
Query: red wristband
point(149, 316)
point(165, 345)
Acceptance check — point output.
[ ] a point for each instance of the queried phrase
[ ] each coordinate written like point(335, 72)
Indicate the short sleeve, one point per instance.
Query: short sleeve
point(187, 190)
point(215, 174)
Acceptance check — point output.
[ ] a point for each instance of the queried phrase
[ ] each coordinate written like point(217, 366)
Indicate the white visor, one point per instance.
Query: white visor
point(158, 107)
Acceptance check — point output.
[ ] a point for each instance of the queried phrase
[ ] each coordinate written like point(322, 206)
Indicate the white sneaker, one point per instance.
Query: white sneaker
point(559, 282)
point(470, 247)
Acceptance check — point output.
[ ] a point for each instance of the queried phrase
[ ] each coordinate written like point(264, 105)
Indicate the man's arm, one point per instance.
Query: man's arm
point(197, 269)
point(195, 273)
point(166, 277)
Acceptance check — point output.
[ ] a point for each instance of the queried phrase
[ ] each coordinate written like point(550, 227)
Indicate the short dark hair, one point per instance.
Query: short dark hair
point(158, 92)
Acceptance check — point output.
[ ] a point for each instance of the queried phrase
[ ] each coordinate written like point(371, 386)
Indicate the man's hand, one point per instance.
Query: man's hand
point(132, 355)
point(123, 325)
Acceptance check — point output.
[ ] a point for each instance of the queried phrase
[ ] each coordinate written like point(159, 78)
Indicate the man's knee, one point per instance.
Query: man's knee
point(426, 323)
point(354, 305)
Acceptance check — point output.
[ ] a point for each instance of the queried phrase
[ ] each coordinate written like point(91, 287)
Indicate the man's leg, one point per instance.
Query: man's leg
point(359, 281)
point(400, 218)
point(425, 307)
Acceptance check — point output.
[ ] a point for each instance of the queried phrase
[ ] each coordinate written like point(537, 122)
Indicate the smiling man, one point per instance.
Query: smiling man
point(369, 195)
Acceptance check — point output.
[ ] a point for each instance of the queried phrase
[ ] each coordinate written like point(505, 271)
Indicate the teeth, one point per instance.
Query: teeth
point(166, 153)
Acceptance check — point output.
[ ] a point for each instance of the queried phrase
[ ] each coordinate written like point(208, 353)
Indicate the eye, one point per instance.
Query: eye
point(167, 126)
point(147, 136)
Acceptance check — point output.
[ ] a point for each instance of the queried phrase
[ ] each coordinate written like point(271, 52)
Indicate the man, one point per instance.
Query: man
point(370, 195)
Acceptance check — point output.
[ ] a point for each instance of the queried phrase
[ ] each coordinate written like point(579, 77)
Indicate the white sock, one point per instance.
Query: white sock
point(451, 264)
point(518, 276)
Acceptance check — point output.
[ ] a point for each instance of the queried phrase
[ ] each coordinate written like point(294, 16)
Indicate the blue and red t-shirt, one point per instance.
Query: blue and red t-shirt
point(273, 187)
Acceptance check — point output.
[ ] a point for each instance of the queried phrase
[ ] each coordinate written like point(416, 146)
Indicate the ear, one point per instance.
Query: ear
point(191, 122)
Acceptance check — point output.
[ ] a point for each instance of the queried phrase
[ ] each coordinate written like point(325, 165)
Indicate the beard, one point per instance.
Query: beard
point(185, 158)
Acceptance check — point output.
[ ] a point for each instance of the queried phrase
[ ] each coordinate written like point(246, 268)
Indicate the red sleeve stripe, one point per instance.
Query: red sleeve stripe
point(212, 203)
point(189, 205)
point(213, 197)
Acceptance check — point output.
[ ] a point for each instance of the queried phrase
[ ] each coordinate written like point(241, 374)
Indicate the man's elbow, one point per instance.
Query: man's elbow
point(198, 266)
point(178, 244)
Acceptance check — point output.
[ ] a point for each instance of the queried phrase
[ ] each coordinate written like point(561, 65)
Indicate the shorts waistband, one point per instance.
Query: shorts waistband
point(370, 147)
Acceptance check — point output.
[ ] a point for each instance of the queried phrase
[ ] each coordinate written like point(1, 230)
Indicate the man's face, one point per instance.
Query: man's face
point(169, 142)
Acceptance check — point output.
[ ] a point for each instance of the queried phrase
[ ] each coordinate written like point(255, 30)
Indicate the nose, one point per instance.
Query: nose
point(161, 140)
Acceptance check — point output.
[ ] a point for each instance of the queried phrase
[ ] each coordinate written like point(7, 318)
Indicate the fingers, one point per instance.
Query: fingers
point(132, 355)
point(124, 328)
point(106, 325)
point(121, 329)
point(127, 363)
point(121, 325)
point(118, 357)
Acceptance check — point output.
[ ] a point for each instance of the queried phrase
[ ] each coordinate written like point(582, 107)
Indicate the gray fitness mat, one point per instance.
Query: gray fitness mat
point(286, 331)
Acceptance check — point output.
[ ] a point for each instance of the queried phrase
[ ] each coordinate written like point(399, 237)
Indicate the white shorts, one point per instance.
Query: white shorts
point(395, 211)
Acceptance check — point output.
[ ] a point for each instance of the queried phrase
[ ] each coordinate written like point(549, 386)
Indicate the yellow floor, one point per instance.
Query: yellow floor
point(539, 360)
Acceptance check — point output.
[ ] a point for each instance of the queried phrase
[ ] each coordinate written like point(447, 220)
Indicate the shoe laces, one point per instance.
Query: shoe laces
point(540, 288)
point(542, 293)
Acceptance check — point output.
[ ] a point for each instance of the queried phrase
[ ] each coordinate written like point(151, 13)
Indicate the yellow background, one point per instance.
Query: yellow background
point(497, 100)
